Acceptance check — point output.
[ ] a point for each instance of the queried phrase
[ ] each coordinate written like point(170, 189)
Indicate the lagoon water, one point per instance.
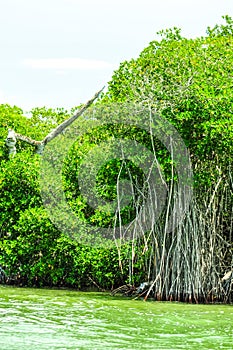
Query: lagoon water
point(38, 319)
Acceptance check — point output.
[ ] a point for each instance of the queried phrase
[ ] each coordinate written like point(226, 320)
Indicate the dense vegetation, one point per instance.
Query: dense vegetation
point(189, 83)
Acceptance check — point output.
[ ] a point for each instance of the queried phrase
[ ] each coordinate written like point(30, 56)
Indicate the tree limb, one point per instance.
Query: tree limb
point(27, 139)
point(69, 121)
point(12, 136)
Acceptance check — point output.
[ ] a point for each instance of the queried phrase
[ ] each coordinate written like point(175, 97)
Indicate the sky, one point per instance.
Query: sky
point(58, 53)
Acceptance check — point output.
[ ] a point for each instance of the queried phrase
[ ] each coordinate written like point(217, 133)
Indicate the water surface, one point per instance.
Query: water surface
point(38, 319)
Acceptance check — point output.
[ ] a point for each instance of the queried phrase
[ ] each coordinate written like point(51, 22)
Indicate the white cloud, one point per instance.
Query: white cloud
point(67, 63)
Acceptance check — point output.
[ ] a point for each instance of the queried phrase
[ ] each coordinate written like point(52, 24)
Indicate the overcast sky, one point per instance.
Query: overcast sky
point(58, 53)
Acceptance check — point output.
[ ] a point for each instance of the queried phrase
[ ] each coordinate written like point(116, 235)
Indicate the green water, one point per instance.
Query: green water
point(59, 319)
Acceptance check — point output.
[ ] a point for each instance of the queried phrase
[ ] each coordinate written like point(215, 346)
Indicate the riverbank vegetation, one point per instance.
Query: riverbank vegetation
point(189, 83)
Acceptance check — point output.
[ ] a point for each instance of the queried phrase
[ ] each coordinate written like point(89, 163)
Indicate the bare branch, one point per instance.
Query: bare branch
point(12, 136)
point(69, 121)
point(27, 139)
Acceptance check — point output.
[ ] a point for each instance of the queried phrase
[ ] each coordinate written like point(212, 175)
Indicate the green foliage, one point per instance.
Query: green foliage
point(107, 175)
point(32, 250)
point(47, 118)
point(19, 188)
point(37, 254)
point(222, 30)
point(26, 252)
point(187, 81)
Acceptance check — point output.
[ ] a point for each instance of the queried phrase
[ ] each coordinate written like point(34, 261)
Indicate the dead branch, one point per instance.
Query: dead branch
point(27, 139)
point(126, 289)
point(69, 121)
point(12, 136)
